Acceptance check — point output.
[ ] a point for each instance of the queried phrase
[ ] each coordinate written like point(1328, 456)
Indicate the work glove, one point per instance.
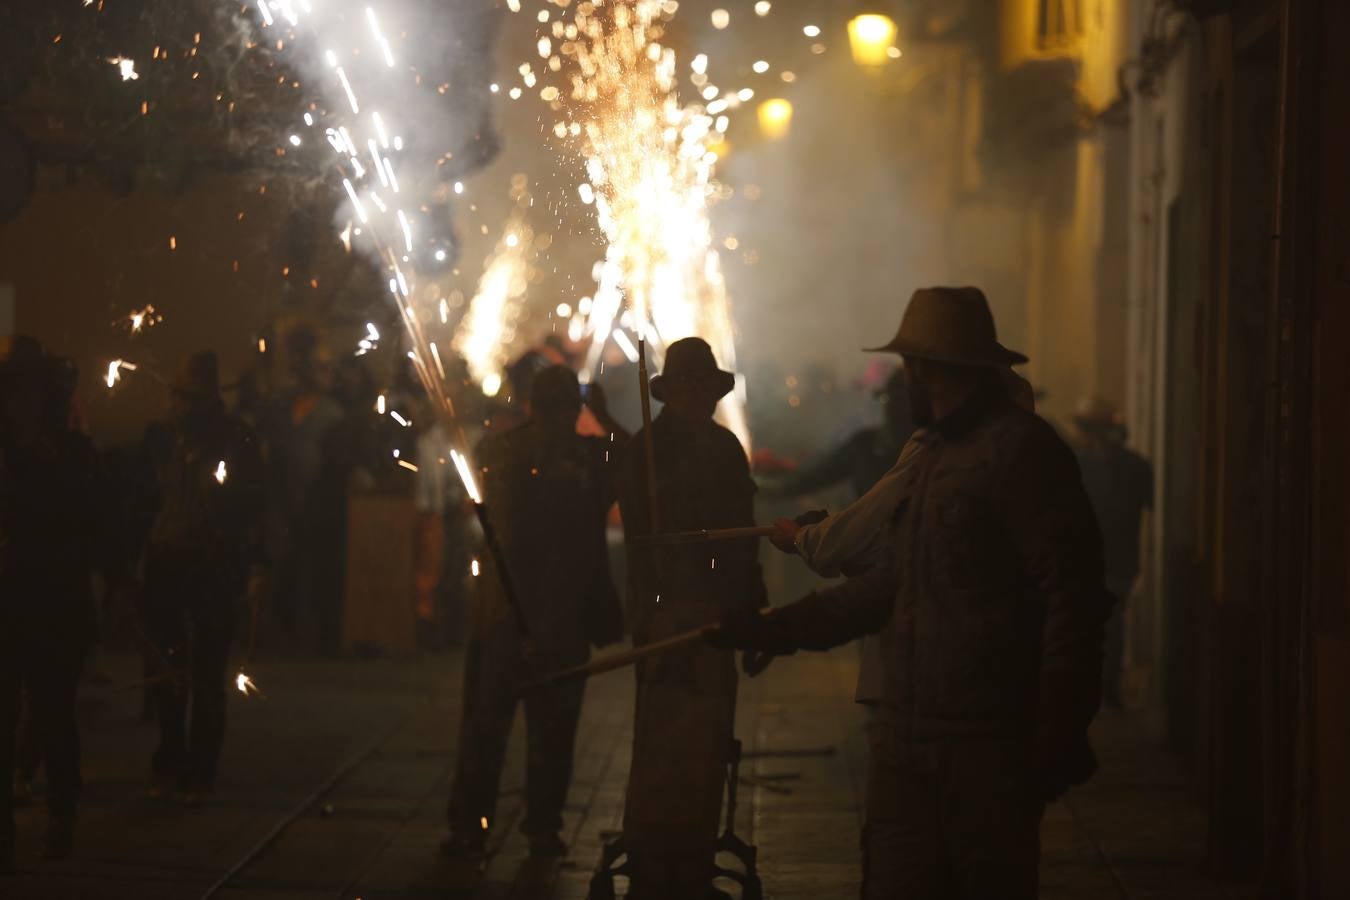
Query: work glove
point(751, 629)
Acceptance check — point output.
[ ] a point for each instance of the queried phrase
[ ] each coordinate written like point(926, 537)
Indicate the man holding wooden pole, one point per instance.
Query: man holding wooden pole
point(696, 473)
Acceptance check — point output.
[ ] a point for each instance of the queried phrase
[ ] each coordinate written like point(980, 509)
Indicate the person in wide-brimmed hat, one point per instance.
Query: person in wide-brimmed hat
point(682, 737)
point(691, 368)
point(990, 602)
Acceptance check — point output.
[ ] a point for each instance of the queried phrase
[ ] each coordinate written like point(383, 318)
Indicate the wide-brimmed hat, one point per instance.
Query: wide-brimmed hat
point(692, 360)
point(950, 325)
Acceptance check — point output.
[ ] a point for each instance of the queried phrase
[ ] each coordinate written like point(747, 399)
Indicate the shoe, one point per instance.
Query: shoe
point(59, 841)
point(547, 846)
point(464, 849)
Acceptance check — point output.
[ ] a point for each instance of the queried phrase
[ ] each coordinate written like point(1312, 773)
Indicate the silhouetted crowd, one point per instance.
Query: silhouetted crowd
point(987, 561)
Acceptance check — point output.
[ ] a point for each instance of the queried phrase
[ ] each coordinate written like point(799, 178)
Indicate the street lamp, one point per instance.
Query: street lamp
point(775, 118)
point(871, 37)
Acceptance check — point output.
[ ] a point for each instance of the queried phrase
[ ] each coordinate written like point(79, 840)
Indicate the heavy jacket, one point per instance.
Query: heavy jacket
point(547, 500)
point(201, 510)
point(53, 502)
point(992, 599)
point(686, 700)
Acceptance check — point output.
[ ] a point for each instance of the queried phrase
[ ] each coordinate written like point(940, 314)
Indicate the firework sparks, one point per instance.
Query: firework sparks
point(488, 334)
point(126, 67)
point(115, 369)
point(246, 686)
point(466, 476)
point(650, 178)
point(141, 319)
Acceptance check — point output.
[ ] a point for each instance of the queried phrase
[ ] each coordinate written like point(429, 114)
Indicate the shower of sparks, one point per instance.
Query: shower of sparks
point(488, 334)
point(650, 172)
point(372, 187)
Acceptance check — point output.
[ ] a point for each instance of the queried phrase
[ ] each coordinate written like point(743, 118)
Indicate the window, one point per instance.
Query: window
point(1058, 23)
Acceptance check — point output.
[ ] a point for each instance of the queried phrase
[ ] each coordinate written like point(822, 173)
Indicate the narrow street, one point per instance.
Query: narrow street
point(334, 784)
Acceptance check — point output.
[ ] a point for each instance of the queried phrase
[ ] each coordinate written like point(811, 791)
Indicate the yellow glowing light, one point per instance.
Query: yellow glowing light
point(473, 568)
point(775, 118)
point(871, 36)
point(220, 473)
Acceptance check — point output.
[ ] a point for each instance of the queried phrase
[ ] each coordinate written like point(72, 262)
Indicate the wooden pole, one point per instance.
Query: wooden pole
point(648, 439)
point(704, 536)
point(619, 660)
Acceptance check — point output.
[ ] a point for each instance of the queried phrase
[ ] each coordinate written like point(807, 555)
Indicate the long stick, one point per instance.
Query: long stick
point(619, 660)
point(706, 535)
point(648, 439)
point(503, 573)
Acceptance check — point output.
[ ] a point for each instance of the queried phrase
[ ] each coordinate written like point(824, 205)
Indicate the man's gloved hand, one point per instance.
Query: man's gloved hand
point(749, 629)
point(784, 535)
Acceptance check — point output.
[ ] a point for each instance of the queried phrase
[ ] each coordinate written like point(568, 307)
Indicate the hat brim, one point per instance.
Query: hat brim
point(723, 383)
point(997, 356)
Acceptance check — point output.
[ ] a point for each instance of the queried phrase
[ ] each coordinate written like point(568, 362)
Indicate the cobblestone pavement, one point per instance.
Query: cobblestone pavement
point(334, 785)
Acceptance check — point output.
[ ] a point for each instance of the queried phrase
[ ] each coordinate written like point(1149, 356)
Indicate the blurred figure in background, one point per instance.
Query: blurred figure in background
point(1120, 484)
point(548, 490)
point(207, 503)
point(863, 458)
point(50, 515)
point(353, 450)
point(686, 700)
point(296, 434)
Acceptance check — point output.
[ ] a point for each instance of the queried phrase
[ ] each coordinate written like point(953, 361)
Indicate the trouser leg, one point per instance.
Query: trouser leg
point(903, 856)
point(1113, 658)
point(164, 626)
point(551, 729)
point(55, 679)
point(213, 628)
point(491, 679)
point(992, 821)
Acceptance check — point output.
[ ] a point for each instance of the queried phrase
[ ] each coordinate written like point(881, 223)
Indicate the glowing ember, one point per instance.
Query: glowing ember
point(115, 368)
point(244, 685)
point(125, 67)
point(144, 318)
